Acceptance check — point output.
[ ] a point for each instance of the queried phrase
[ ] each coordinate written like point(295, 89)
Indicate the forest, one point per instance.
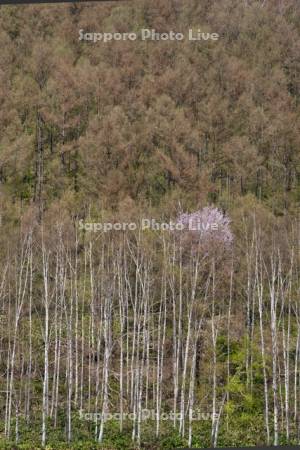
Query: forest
point(119, 336)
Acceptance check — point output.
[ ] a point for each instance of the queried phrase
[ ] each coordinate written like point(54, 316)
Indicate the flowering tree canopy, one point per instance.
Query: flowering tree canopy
point(207, 226)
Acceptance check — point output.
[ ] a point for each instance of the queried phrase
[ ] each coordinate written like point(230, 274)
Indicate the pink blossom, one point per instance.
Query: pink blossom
point(207, 226)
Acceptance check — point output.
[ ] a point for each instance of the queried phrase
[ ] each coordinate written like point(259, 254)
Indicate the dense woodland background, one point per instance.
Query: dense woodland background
point(125, 321)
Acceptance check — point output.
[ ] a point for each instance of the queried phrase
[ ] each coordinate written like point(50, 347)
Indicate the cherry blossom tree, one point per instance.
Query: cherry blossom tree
point(207, 228)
